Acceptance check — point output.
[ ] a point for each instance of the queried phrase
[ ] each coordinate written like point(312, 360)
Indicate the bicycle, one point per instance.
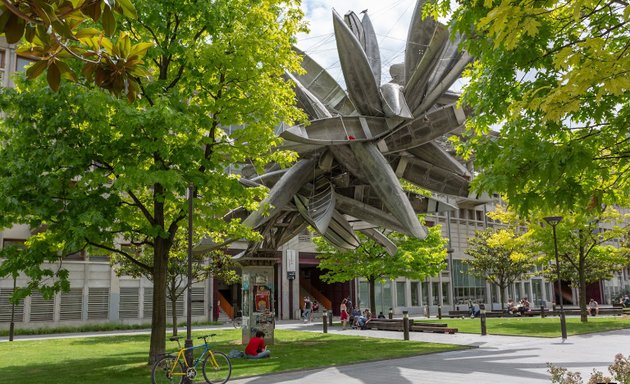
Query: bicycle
point(237, 320)
point(216, 367)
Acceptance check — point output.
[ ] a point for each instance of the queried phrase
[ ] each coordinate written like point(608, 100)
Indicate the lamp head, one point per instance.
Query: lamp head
point(553, 220)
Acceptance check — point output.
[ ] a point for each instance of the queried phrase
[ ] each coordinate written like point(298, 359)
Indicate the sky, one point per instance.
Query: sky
point(390, 19)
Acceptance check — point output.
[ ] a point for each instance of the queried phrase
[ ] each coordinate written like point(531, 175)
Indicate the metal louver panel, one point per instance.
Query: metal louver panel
point(148, 303)
point(41, 309)
point(98, 303)
point(5, 307)
point(129, 303)
point(198, 301)
point(180, 306)
point(71, 305)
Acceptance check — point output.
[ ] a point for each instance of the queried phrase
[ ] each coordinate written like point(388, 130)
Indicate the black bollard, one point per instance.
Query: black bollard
point(330, 318)
point(390, 314)
point(440, 312)
point(482, 316)
point(542, 311)
point(325, 321)
point(405, 325)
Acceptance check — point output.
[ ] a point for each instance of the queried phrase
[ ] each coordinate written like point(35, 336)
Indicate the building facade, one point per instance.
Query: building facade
point(98, 295)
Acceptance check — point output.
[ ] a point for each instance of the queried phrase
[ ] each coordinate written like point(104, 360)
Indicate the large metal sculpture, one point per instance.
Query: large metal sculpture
point(360, 143)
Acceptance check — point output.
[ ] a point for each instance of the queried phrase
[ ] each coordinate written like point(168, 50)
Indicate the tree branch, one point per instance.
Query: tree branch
point(124, 254)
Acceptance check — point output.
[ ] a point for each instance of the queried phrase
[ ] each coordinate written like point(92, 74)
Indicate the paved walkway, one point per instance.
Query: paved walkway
point(497, 359)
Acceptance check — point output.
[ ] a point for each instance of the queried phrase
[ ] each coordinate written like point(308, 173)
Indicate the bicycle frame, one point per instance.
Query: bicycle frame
point(181, 355)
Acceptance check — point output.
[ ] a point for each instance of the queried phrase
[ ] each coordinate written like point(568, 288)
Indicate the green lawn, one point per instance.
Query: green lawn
point(122, 359)
point(535, 326)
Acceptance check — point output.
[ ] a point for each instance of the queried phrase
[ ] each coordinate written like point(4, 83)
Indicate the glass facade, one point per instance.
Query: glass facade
point(445, 289)
point(465, 286)
point(435, 299)
point(415, 293)
point(400, 293)
point(382, 295)
point(364, 294)
point(425, 293)
point(537, 292)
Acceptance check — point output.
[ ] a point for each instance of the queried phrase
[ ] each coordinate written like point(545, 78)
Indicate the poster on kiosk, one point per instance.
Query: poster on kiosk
point(258, 305)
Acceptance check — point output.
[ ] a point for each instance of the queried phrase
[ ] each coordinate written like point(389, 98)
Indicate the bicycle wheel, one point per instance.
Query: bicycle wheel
point(163, 372)
point(217, 370)
point(237, 321)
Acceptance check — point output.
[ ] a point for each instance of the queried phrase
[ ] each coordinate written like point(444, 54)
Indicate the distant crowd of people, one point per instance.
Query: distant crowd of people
point(518, 309)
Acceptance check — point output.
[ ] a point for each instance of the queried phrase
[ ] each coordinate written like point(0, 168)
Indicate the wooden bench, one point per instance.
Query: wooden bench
point(397, 325)
point(386, 324)
point(430, 324)
point(431, 328)
point(458, 313)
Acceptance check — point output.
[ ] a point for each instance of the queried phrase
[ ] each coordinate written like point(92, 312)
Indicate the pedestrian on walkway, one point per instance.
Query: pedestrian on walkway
point(343, 310)
point(308, 307)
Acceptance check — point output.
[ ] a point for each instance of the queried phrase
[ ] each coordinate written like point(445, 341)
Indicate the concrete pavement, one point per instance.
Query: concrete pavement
point(496, 359)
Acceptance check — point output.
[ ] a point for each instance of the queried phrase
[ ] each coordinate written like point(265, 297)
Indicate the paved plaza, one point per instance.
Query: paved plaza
point(495, 359)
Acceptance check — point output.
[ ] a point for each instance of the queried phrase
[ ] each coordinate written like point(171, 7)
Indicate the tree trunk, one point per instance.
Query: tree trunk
point(582, 283)
point(158, 317)
point(171, 294)
point(372, 281)
point(174, 313)
point(502, 296)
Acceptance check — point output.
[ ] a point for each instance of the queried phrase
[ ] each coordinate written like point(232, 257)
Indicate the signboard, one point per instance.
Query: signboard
point(290, 275)
point(291, 260)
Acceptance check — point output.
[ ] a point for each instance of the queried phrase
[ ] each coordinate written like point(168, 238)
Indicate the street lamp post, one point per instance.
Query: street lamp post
point(553, 221)
point(189, 343)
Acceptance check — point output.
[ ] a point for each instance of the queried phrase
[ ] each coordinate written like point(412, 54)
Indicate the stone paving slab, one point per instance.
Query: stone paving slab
point(496, 359)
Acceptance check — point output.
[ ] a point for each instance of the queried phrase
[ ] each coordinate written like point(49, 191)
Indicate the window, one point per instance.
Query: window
point(12, 243)
point(400, 293)
point(76, 256)
point(2, 63)
point(425, 293)
point(465, 286)
point(445, 289)
point(21, 63)
point(415, 297)
point(435, 292)
point(6, 243)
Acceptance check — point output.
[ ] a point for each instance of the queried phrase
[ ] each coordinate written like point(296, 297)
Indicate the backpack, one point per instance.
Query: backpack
point(235, 354)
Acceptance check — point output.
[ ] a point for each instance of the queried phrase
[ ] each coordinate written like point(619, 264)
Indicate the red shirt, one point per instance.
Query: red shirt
point(255, 346)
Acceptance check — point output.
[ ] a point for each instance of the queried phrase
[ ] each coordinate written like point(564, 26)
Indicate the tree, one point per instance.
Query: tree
point(415, 259)
point(217, 264)
point(499, 256)
point(585, 249)
point(553, 78)
point(54, 32)
point(104, 170)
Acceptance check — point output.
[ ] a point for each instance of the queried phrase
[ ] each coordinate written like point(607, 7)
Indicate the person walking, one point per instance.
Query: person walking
point(308, 307)
point(343, 314)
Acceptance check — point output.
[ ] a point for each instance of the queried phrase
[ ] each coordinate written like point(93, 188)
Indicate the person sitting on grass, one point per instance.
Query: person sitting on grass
point(256, 348)
point(593, 307)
